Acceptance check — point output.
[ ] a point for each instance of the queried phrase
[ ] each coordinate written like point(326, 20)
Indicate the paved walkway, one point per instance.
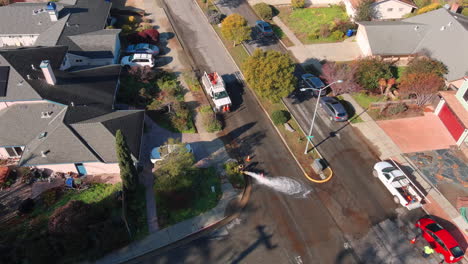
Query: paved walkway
point(419, 133)
point(287, 31)
point(173, 233)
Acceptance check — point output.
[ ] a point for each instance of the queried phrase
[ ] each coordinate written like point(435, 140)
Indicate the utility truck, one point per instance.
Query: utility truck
point(216, 89)
point(400, 186)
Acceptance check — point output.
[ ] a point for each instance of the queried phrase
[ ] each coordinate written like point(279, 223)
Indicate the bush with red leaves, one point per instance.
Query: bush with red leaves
point(150, 36)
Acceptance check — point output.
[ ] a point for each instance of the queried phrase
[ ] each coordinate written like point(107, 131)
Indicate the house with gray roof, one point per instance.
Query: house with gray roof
point(61, 120)
point(78, 24)
point(439, 34)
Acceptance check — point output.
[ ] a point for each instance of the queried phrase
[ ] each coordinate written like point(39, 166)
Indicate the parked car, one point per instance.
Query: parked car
point(138, 59)
point(314, 83)
point(333, 108)
point(264, 28)
point(440, 240)
point(143, 48)
point(159, 153)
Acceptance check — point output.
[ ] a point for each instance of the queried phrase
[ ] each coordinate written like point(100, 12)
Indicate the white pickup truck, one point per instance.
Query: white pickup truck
point(403, 190)
point(216, 89)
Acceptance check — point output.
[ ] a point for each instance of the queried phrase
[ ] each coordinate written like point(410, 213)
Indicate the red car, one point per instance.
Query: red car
point(440, 240)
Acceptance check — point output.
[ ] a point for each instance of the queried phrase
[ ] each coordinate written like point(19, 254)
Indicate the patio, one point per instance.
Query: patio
point(416, 134)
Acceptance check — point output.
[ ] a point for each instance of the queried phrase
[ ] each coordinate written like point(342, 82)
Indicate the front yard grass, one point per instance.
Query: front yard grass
point(178, 205)
point(305, 22)
point(365, 100)
point(238, 52)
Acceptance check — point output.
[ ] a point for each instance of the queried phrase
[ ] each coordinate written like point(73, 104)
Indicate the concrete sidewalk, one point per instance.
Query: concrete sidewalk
point(436, 204)
point(173, 233)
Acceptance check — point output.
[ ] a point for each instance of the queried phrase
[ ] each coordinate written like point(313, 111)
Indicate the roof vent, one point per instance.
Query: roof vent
point(28, 76)
point(67, 24)
point(442, 28)
point(33, 67)
point(20, 82)
point(449, 23)
point(44, 153)
point(416, 28)
point(72, 104)
point(42, 135)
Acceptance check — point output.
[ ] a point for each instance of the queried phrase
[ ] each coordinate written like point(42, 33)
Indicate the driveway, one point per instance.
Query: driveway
point(340, 51)
point(416, 134)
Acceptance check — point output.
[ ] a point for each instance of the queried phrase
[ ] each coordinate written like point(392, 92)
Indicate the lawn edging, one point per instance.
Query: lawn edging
point(266, 112)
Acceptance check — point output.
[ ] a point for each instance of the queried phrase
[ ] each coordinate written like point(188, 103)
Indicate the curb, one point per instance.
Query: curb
point(261, 106)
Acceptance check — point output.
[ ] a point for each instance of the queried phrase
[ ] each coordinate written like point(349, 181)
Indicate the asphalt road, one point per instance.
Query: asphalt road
point(351, 219)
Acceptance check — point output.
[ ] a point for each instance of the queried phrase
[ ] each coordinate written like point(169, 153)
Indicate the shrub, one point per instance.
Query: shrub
point(131, 19)
point(428, 8)
point(465, 11)
point(215, 17)
point(343, 25)
point(51, 196)
point(337, 35)
point(213, 125)
point(280, 117)
point(126, 29)
point(312, 36)
point(423, 64)
point(370, 70)
point(205, 109)
point(147, 20)
point(264, 11)
point(324, 30)
point(297, 3)
point(398, 108)
point(364, 11)
point(235, 176)
point(144, 27)
point(110, 27)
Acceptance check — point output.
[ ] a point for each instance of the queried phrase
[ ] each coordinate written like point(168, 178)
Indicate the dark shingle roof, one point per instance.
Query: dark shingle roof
point(78, 132)
point(97, 44)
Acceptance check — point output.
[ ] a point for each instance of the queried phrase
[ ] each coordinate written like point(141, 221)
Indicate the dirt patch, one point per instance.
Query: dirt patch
point(387, 114)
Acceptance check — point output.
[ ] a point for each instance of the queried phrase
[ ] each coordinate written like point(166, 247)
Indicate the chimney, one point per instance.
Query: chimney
point(48, 73)
point(52, 10)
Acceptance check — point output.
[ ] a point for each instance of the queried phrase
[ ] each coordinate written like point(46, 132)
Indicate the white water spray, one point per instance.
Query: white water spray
point(281, 184)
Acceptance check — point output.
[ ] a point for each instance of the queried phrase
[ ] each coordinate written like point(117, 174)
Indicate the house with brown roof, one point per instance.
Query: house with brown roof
point(383, 9)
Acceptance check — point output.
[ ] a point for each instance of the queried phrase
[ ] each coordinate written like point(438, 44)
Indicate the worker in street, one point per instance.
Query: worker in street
point(428, 251)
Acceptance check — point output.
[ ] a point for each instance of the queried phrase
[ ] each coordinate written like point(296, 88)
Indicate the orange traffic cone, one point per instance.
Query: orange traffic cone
point(248, 158)
point(412, 241)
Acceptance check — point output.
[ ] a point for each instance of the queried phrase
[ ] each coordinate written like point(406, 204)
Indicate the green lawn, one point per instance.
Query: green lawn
point(364, 100)
point(306, 21)
point(239, 54)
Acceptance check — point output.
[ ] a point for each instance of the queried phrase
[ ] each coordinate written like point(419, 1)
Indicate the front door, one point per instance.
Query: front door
point(81, 169)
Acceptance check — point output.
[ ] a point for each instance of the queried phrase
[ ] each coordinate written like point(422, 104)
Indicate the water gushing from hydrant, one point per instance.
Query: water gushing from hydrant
point(281, 184)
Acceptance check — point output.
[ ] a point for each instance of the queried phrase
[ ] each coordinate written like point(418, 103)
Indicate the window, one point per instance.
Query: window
point(434, 227)
point(14, 151)
point(78, 60)
point(387, 176)
point(389, 9)
point(465, 96)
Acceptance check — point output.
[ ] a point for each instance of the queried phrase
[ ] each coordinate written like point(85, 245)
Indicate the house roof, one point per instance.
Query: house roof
point(97, 44)
point(82, 131)
point(18, 18)
point(93, 88)
point(80, 26)
point(440, 34)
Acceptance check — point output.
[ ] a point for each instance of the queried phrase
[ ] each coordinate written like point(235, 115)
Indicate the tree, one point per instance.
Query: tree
point(364, 11)
point(270, 73)
point(142, 74)
point(297, 4)
point(428, 8)
point(173, 172)
point(332, 72)
point(370, 70)
point(264, 11)
point(422, 64)
point(423, 86)
point(234, 28)
point(128, 171)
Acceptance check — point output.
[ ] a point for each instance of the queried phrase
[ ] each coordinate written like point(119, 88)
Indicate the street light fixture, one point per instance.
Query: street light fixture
point(309, 136)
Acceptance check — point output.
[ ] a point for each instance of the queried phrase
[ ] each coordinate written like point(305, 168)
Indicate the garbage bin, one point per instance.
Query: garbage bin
point(349, 33)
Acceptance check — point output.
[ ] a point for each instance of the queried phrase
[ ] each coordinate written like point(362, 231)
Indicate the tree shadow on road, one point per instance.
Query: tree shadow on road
point(229, 3)
point(263, 238)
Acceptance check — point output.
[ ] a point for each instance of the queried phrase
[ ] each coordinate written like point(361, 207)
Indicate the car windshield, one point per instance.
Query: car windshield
point(266, 28)
point(315, 82)
point(141, 50)
point(456, 252)
point(434, 227)
point(220, 95)
point(341, 114)
point(388, 169)
point(130, 58)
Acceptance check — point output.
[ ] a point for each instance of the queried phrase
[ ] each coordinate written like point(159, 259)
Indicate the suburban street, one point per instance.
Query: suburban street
point(351, 219)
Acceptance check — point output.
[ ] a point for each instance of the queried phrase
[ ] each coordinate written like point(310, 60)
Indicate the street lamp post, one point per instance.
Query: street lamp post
point(309, 136)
